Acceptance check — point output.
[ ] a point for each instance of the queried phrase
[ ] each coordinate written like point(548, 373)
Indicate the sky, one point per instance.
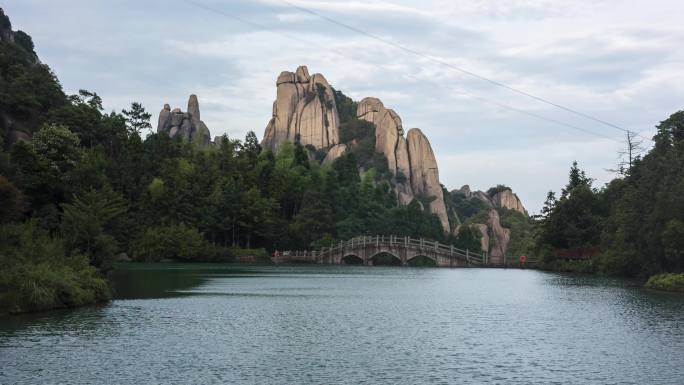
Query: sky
point(619, 61)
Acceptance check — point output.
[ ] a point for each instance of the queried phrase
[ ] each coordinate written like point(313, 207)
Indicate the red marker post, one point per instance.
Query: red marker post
point(523, 259)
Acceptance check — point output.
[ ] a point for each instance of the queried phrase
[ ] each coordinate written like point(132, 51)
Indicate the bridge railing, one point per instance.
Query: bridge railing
point(405, 241)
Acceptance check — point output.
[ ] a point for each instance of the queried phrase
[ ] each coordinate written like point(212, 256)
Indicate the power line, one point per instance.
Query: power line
point(462, 92)
point(457, 68)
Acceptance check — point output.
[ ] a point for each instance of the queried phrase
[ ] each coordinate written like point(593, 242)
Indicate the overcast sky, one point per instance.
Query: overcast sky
point(620, 61)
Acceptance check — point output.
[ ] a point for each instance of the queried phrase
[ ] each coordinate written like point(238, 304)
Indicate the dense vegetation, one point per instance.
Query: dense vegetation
point(635, 223)
point(87, 188)
point(666, 282)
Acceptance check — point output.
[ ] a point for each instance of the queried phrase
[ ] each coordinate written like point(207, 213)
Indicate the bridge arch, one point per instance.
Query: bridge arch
point(385, 258)
point(420, 260)
point(351, 259)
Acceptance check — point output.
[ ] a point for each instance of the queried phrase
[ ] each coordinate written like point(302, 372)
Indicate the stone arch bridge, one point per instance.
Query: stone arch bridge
point(366, 249)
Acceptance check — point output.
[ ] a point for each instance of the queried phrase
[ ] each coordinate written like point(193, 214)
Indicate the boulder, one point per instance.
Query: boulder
point(425, 175)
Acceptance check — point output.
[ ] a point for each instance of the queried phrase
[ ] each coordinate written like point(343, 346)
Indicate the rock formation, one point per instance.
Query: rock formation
point(304, 111)
point(424, 174)
point(502, 198)
point(410, 159)
point(187, 125)
point(507, 199)
point(389, 141)
point(494, 237)
point(6, 34)
point(335, 152)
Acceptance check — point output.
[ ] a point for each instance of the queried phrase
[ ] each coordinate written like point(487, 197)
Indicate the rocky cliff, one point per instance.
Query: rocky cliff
point(425, 174)
point(187, 125)
point(481, 211)
point(496, 197)
point(304, 111)
point(411, 159)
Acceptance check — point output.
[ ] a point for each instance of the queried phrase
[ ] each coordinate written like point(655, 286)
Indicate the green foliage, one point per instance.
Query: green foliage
point(468, 238)
point(23, 40)
point(28, 89)
point(464, 208)
point(12, 201)
point(637, 220)
point(666, 282)
point(38, 275)
point(90, 223)
point(137, 119)
point(522, 232)
point(177, 242)
point(495, 190)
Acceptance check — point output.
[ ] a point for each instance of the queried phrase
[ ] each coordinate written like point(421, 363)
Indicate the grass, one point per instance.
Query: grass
point(666, 282)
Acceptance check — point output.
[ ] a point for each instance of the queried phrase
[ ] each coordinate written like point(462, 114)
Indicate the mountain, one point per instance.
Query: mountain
point(305, 111)
point(309, 111)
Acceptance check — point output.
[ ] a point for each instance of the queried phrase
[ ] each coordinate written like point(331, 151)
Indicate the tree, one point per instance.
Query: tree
point(628, 154)
point(12, 201)
point(89, 223)
point(137, 119)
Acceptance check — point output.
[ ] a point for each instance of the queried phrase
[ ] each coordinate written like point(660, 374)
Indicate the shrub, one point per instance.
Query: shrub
point(666, 282)
point(178, 242)
point(37, 275)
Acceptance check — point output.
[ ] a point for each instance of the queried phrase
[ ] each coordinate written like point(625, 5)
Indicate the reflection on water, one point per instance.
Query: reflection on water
point(352, 324)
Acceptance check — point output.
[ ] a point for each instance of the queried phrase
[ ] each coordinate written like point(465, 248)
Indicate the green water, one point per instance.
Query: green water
point(201, 324)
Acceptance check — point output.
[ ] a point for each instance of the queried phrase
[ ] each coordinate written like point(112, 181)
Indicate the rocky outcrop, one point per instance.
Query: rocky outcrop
point(494, 237)
point(425, 175)
point(335, 152)
point(304, 111)
point(499, 237)
point(410, 159)
point(508, 200)
point(389, 141)
point(6, 34)
point(187, 125)
point(388, 128)
point(503, 198)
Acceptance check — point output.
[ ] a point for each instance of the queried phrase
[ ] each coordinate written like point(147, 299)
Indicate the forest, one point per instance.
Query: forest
point(634, 224)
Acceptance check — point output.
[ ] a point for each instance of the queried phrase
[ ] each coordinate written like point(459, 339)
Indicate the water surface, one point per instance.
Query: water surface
point(187, 324)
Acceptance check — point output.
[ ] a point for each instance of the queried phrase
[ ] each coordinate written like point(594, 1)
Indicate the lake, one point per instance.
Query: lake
point(202, 324)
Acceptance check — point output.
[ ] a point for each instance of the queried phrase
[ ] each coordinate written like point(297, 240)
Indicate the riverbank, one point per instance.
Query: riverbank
point(671, 282)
